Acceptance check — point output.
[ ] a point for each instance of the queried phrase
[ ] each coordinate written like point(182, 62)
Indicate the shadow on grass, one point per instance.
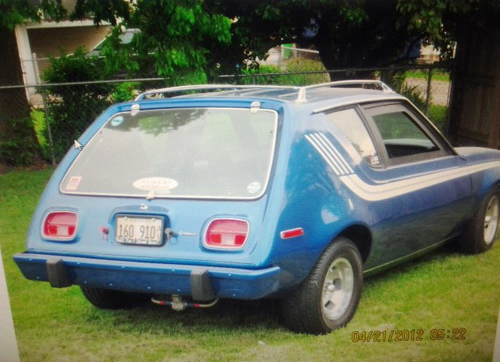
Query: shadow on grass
point(236, 316)
point(440, 254)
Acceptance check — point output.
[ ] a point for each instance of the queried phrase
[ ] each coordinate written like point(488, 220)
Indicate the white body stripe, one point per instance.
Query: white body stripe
point(342, 161)
point(329, 159)
point(397, 188)
point(386, 190)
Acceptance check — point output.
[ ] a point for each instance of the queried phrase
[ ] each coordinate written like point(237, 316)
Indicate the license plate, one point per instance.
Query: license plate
point(139, 230)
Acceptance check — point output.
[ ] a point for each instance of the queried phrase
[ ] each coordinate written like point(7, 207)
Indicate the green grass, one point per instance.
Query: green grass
point(441, 290)
point(436, 74)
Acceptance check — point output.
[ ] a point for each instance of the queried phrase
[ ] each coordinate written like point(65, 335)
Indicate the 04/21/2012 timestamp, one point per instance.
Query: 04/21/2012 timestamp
point(407, 335)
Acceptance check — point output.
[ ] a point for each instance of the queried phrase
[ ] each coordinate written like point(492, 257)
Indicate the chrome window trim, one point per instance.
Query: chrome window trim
point(243, 198)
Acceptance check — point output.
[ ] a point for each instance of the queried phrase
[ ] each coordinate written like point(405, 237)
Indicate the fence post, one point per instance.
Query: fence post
point(428, 95)
point(45, 110)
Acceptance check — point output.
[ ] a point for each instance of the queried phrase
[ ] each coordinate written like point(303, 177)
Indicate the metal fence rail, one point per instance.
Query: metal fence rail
point(61, 112)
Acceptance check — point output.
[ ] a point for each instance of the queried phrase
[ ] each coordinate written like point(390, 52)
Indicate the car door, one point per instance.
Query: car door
point(416, 187)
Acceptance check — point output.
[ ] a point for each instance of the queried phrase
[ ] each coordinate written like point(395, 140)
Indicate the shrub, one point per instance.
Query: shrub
point(73, 108)
point(412, 92)
point(268, 74)
point(264, 74)
point(125, 91)
point(20, 149)
point(298, 65)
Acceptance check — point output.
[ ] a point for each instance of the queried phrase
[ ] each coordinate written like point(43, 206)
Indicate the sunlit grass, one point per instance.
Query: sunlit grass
point(443, 290)
point(436, 74)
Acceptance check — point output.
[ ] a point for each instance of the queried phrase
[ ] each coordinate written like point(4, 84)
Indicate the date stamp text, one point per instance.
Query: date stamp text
point(409, 335)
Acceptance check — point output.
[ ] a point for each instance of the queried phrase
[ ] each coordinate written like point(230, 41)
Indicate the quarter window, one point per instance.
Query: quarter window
point(351, 125)
point(402, 136)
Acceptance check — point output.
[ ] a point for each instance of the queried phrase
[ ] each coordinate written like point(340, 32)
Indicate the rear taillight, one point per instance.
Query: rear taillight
point(60, 225)
point(226, 234)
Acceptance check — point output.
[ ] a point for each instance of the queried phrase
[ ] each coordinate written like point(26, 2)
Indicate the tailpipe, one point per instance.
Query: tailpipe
point(178, 304)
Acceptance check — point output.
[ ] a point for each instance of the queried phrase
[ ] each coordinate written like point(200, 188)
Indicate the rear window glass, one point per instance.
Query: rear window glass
point(180, 153)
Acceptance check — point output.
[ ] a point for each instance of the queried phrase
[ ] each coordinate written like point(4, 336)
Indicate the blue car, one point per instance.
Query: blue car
point(191, 194)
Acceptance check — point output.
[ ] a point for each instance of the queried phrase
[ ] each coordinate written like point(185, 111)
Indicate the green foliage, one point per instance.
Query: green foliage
point(268, 74)
point(298, 65)
point(412, 92)
point(14, 12)
point(125, 91)
point(440, 22)
point(263, 75)
point(193, 40)
point(436, 74)
point(20, 149)
point(174, 38)
point(73, 108)
point(437, 114)
point(38, 118)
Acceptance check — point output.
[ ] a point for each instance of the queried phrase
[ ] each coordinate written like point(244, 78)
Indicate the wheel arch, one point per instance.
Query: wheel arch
point(483, 182)
point(361, 236)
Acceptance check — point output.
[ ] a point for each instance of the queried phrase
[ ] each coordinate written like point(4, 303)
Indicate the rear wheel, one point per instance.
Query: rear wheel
point(113, 299)
point(329, 296)
point(481, 232)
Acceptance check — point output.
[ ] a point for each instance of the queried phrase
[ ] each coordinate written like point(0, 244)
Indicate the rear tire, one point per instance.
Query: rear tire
point(481, 231)
point(327, 299)
point(113, 299)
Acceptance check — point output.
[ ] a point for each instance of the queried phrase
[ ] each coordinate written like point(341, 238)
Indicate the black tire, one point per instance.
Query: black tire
point(113, 299)
point(304, 310)
point(481, 231)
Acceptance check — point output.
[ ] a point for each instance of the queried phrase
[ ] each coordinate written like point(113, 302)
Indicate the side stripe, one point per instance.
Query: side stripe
point(386, 190)
point(397, 188)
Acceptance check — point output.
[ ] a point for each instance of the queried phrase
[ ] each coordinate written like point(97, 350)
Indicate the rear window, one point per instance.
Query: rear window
point(178, 153)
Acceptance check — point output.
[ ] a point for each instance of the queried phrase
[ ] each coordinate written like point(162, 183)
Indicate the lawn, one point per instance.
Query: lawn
point(443, 290)
point(437, 74)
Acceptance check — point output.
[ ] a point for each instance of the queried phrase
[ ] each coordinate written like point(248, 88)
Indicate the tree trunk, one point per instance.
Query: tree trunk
point(13, 102)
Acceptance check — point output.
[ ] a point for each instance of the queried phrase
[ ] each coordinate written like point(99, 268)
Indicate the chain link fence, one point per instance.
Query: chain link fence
point(59, 113)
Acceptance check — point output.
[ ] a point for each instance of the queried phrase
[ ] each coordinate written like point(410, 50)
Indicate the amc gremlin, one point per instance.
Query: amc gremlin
point(190, 194)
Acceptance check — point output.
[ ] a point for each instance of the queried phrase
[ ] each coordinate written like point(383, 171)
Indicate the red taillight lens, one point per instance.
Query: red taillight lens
point(226, 234)
point(60, 225)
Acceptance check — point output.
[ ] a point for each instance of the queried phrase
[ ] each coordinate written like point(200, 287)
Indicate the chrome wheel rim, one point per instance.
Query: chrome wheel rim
point(337, 289)
point(491, 220)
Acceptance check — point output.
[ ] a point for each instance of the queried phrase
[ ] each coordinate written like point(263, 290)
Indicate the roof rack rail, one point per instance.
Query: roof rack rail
point(358, 83)
point(301, 96)
point(208, 87)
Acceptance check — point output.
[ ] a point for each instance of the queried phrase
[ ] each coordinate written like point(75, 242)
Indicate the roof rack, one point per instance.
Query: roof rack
point(344, 83)
point(208, 87)
point(301, 96)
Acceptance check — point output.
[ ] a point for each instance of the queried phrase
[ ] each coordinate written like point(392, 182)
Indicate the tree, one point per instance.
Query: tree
point(347, 33)
point(443, 22)
point(175, 36)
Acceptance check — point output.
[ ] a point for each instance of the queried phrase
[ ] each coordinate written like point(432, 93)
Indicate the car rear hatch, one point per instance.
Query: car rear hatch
point(173, 185)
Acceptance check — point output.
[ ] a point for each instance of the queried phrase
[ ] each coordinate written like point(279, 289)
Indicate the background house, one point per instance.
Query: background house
point(36, 42)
